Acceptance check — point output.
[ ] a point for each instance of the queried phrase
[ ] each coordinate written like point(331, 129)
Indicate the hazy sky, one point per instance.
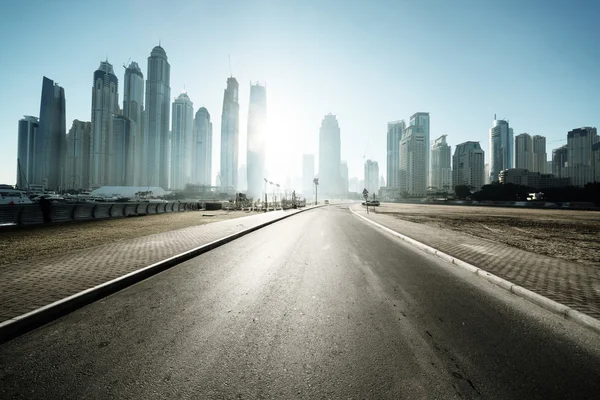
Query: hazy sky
point(534, 62)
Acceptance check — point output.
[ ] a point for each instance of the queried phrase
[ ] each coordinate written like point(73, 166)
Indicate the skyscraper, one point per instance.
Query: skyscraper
point(523, 152)
point(256, 141)
point(539, 159)
point(468, 165)
point(230, 135)
point(344, 177)
point(329, 156)
point(441, 164)
point(420, 120)
point(371, 177)
point(560, 157)
point(105, 103)
point(50, 143)
point(394, 135)
point(181, 138)
point(26, 156)
point(414, 148)
point(308, 174)
point(133, 108)
point(580, 163)
point(77, 166)
point(122, 152)
point(156, 125)
point(202, 154)
point(501, 149)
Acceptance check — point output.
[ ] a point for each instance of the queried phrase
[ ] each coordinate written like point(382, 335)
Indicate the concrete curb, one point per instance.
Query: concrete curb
point(21, 324)
point(535, 298)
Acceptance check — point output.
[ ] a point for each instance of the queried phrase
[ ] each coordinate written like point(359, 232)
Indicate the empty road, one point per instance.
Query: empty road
point(320, 305)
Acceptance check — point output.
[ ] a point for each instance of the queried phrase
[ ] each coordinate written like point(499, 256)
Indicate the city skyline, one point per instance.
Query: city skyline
point(527, 105)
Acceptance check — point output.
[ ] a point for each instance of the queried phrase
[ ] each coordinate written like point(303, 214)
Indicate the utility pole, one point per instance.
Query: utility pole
point(266, 204)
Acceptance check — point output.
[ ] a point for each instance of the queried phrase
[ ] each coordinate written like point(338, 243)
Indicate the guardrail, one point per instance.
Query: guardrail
point(32, 214)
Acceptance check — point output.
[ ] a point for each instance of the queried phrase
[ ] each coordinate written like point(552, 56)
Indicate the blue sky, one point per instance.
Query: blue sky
point(533, 62)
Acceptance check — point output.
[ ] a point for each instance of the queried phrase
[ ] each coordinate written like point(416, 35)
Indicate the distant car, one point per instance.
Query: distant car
point(326, 202)
point(375, 203)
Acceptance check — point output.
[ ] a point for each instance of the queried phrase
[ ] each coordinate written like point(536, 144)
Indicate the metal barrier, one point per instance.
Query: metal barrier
point(31, 214)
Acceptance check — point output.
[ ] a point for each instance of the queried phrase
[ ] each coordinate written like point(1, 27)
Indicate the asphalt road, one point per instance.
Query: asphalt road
point(320, 305)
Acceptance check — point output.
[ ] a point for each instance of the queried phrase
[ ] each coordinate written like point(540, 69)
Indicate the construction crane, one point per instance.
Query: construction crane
point(125, 65)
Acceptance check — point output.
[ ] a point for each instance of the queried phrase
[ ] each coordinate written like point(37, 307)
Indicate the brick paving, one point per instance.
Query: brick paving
point(26, 286)
point(574, 285)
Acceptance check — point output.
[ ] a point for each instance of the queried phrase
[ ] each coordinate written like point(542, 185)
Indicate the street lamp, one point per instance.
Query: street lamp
point(266, 204)
point(277, 184)
point(316, 182)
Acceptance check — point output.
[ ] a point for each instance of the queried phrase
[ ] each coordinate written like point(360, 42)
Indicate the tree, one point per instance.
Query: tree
point(462, 191)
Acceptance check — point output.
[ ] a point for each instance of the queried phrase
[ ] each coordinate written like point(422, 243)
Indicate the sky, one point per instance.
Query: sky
point(534, 62)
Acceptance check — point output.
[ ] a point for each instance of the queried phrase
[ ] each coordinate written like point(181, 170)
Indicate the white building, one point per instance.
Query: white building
point(468, 166)
point(202, 153)
point(524, 152)
point(501, 149)
point(122, 152)
point(256, 141)
point(540, 157)
point(441, 164)
point(394, 135)
point(420, 120)
point(181, 142)
point(230, 135)
point(133, 109)
point(329, 156)
point(414, 148)
point(371, 177)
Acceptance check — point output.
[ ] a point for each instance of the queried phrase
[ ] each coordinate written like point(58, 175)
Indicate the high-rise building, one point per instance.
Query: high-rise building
point(344, 177)
point(230, 132)
point(256, 140)
point(51, 140)
point(414, 148)
point(105, 104)
point(242, 183)
point(308, 174)
point(523, 152)
point(181, 138)
point(371, 177)
point(394, 135)
point(77, 166)
point(441, 164)
point(560, 157)
point(501, 149)
point(468, 165)
point(540, 157)
point(202, 154)
point(26, 150)
point(420, 121)
point(580, 164)
point(133, 109)
point(329, 156)
point(122, 153)
point(156, 121)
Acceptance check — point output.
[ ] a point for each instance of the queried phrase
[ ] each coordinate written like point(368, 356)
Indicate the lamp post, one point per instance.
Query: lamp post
point(316, 182)
point(266, 204)
point(278, 192)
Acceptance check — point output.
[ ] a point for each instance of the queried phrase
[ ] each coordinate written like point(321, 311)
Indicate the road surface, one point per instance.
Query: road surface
point(320, 305)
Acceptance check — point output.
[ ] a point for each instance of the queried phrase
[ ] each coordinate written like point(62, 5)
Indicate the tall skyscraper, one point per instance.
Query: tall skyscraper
point(344, 177)
point(539, 159)
point(394, 135)
point(371, 177)
point(420, 120)
point(77, 166)
point(523, 152)
point(202, 164)
point(468, 165)
point(26, 155)
point(230, 135)
point(51, 141)
point(256, 141)
point(580, 163)
point(560, 156)
point(105, 103)
point(501, 149)
point(181, 138)
point(441, 164)
point(414, 148)
point(133, 108)
point(156, 124)
point(308, 174)
point(329, 156)
point(122, 152)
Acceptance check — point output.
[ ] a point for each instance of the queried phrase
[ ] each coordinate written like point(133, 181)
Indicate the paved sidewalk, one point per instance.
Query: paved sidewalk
point(29, 285)
point(574, 285)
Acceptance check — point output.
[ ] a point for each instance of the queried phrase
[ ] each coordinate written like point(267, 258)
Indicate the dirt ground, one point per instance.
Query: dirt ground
point(25, 243)
point(565, 234)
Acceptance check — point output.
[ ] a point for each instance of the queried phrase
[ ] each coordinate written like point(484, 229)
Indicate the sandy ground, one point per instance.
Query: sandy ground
point(564, 234)
point(26, 243)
